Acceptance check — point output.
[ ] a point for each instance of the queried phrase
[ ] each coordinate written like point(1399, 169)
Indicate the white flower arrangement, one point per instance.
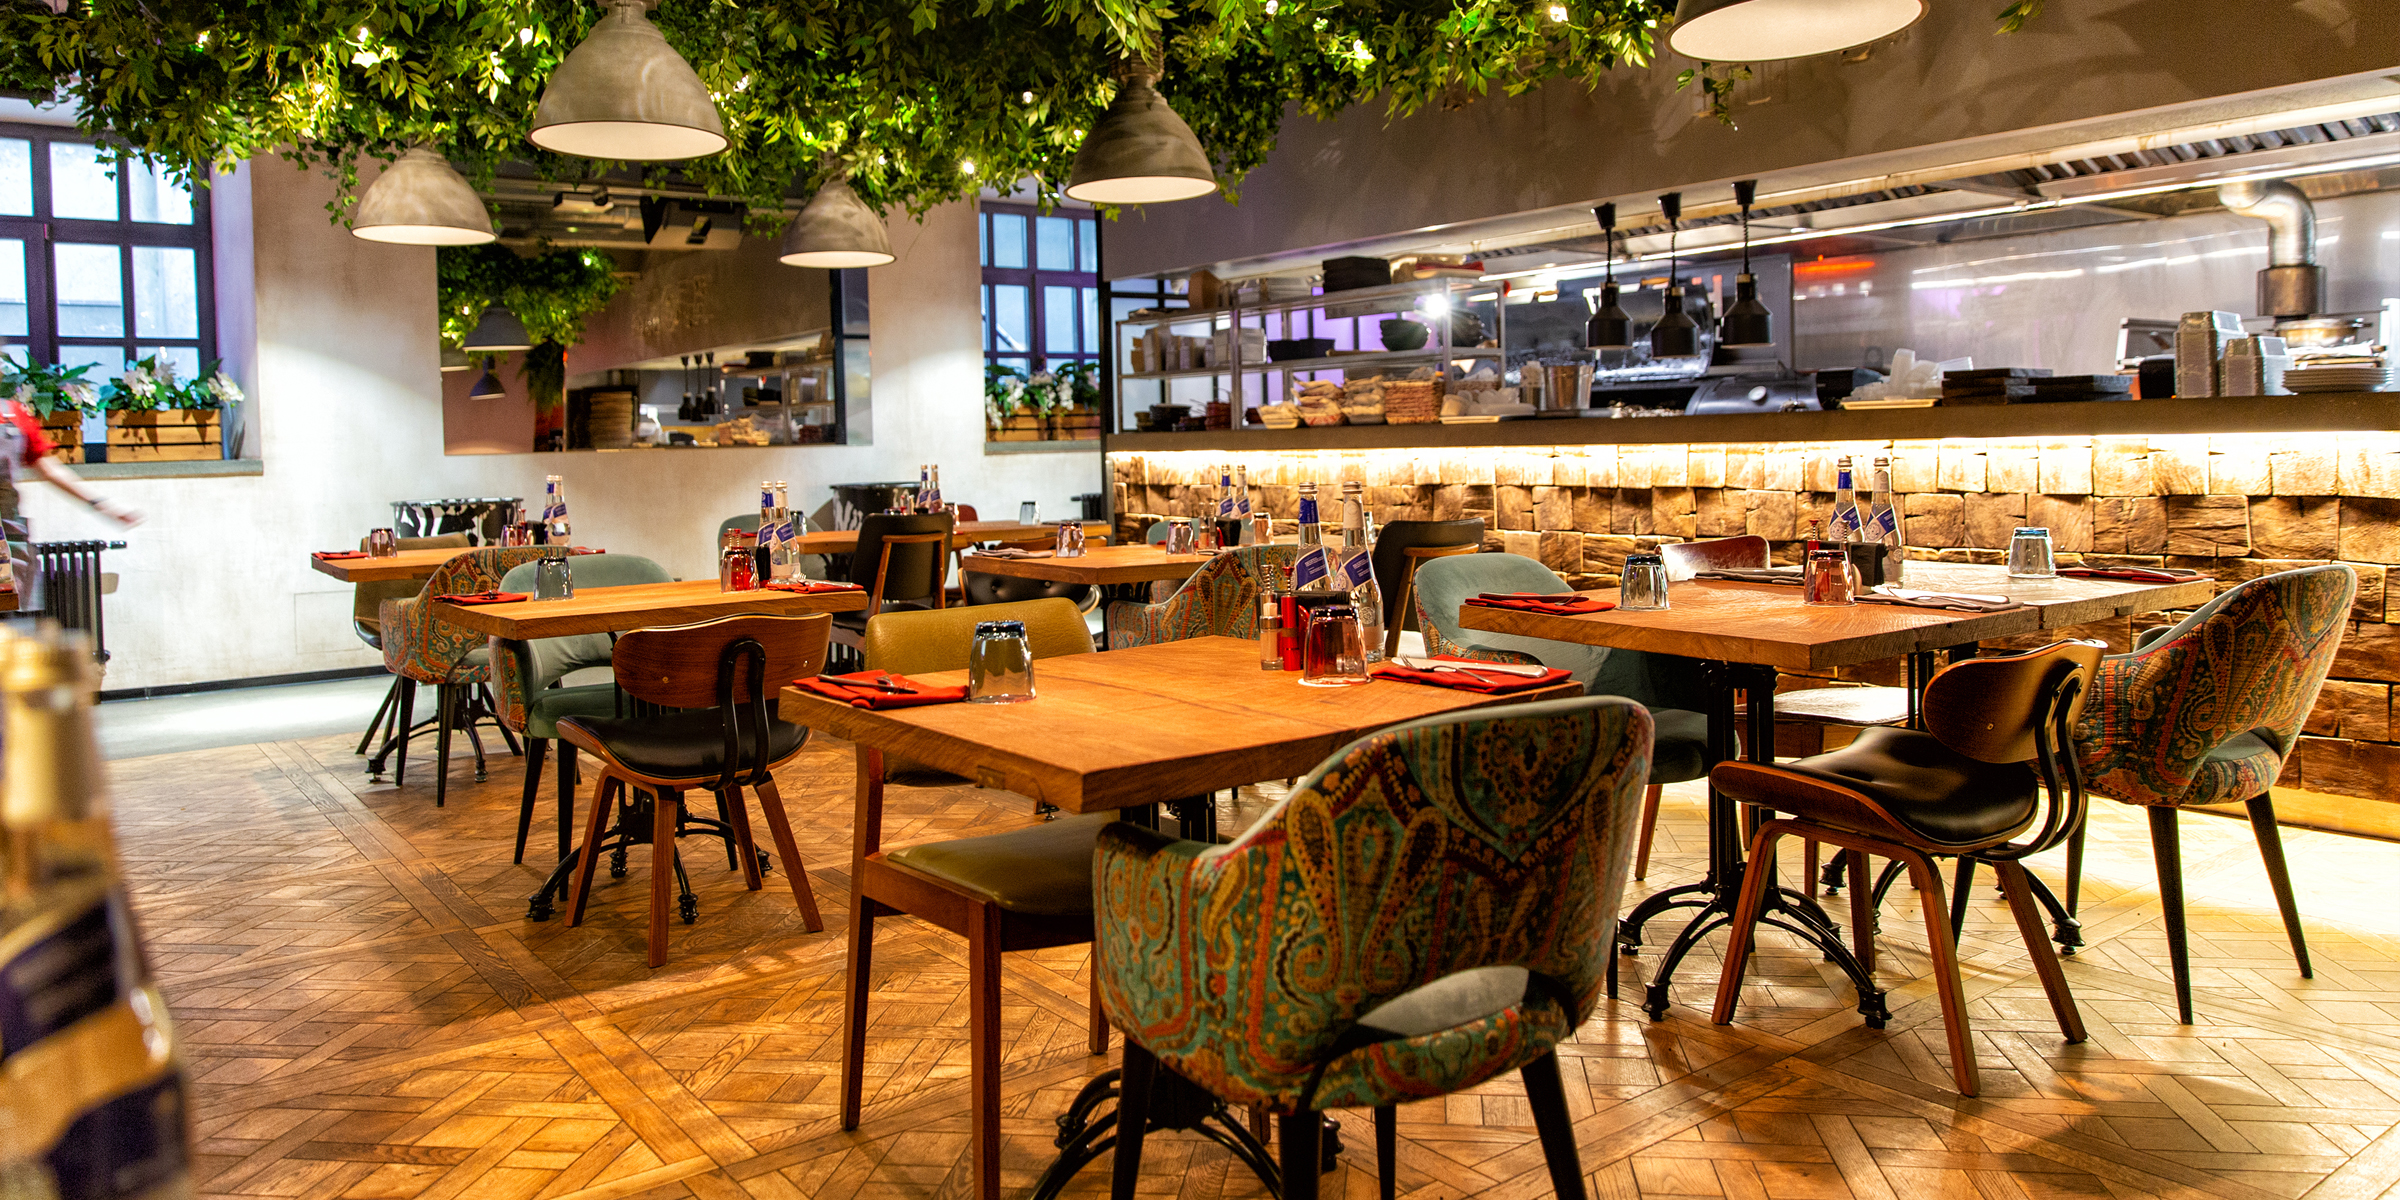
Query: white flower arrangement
point(222, 386)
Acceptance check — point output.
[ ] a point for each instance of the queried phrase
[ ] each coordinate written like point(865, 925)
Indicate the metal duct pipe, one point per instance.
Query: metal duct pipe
point(2293, 285)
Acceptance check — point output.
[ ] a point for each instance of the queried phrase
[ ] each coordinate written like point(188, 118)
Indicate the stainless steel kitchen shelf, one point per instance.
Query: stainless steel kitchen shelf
point(1336, 362)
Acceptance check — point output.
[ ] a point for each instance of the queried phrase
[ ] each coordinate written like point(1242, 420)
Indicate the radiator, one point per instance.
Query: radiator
point(71, 588)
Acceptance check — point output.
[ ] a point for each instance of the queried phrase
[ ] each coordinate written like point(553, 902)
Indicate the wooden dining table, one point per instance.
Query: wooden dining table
point(1745, 633)
point(1104, 566)
point(1168, 723)
point(407, 564)
point(843, 541)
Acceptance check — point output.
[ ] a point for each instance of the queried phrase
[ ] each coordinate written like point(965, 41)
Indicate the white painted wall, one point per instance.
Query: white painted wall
point(344, 372)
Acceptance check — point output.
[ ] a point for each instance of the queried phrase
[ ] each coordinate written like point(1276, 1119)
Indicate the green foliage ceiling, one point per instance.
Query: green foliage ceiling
point(551, 291)
point(928, 100)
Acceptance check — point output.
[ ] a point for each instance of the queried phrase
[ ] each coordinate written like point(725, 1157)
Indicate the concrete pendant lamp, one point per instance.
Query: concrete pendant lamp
point(1747, 323)
point(1764, 30)
point(489, 386)
point(1140, 152)
point(499, 330)
point(456, 360)
point(1676, 335)
point(421, 201)
point(1610, 328)
point(836, 231)
point(625, 94)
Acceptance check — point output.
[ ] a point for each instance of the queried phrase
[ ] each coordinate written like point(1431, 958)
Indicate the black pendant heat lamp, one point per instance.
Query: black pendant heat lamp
point(1747, 323)
point(1676, 335)
point(488, 387)
point(1609, 328)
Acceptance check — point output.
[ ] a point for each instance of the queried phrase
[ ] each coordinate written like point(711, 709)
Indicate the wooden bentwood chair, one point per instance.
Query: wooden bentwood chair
point(1025, 889)
point(722, 674)
point(1403, 546)
point(902, 560)
point(1999, 735)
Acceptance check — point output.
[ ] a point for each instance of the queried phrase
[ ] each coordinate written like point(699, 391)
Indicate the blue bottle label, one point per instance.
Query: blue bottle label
point(1311, 568)
point(61, 976)
point(1359, 570)
point(128, 1145)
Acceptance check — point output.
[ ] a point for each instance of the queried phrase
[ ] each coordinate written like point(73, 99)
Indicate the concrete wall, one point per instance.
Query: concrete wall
point(349, 417)
point(2103, 66)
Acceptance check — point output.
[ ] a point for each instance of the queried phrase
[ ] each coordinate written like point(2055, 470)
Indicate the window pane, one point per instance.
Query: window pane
point(16, 177)
point(107, 361)
point(166, 292)
point(986, 291)
point(91, 291)
point(12, 288)
point(1089, 239)
point(1091, 319)
point(1059, 320)
point(983, 240)
point(155, 197)
point(185, 359)
point(81, 186)
point(1022, 366)
point(1008, 240)
point(1054, 239)
point(1012, 327)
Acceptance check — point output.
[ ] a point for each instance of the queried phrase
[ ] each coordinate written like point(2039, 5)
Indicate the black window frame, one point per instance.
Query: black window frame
point(1091, 339)
point(42, 232)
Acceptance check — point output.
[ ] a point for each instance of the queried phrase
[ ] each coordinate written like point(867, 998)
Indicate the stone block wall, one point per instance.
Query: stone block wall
point(2235, 506)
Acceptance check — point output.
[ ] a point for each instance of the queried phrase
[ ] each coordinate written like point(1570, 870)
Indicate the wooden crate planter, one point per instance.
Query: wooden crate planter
point(65, 431)
point(1022, 427)
point(1076, 425)
point(166, 435)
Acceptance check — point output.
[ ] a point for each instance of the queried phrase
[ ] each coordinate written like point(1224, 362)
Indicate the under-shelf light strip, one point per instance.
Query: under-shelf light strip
point(1552, 274)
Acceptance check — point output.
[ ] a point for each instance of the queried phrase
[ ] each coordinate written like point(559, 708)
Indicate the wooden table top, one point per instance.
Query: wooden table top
point(638, 606)
point(1766, 624)
point(408, 564)
point(843, 541)
point(1152, 723)
point(1098, 564)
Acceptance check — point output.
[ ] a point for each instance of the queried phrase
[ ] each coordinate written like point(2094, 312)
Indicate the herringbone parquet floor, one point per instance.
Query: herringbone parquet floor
point(368, 1014)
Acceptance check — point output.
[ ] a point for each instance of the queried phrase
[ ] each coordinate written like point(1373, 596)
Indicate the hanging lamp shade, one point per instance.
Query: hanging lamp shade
point(1676, 335)
point(836, 231)
point(1747, 323)
point(1140, 153)
point(488, 387)
point(1764, 30)
point(421, 201)
point(499, 330)
point(1610, 328)
point(456, 360)
point(625, 94)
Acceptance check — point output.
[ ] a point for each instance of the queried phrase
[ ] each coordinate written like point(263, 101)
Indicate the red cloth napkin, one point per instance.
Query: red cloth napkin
point(1491, 683)
point(809, 587)
point(1561, 605)
point(2137, 574)
point(339, 554)
point(584, 550)
point(858, 690)
point(485, 598)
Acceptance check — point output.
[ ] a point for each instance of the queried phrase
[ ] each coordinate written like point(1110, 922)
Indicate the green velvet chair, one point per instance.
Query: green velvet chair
point(1433, 906)
point(531, 697)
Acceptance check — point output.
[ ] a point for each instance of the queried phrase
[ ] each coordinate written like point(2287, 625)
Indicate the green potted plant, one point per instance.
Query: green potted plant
point(60, 396)
point(155, 417)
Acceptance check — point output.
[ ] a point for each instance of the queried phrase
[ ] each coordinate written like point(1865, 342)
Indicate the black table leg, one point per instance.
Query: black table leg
point(1715, 897)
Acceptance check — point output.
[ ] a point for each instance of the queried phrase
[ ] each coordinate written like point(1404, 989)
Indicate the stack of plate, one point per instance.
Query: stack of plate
point(2340, 375)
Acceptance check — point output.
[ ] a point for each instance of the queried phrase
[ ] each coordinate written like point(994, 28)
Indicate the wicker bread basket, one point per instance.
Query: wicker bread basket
point(1412, 401)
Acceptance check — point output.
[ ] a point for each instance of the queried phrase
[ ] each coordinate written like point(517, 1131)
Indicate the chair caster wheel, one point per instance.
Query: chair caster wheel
point(1329, 1159)
point(689, 906)
point(1654, 1001)
point(766, 863)
point(539, 908)
point(616, 863)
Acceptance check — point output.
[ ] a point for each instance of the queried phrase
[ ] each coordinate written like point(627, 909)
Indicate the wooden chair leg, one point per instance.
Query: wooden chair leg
point(1962, 891)
point(737, 814)
point(568, 780)
point(1548, 1099)
point(854, 1002)
point(1862, 909)
point(1756, 879)
point(1096, 1029)
point(2279, 876)
point(534, 750)
point(1945, 969)
point(795, 869)
point(2030, 926)
point(2075, 868)
point(1641, 853)
point(1133, 1120)
point(1300, 1140)
point(1809, 865)
point(602, 792)
point(983, 1046)
point(1387, 1152)
point(662, 870)
point(408, 722)
point(2166, 845)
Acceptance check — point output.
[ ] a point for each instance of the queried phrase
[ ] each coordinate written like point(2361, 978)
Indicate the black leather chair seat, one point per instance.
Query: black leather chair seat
point(856, 621)
point(1679, 745)
point(684, 745)
point(1044, 870)
point(1931, 790)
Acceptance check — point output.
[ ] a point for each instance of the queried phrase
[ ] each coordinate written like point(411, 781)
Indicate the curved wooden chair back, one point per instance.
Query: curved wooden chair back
point(1994, 709)
point(679, 666)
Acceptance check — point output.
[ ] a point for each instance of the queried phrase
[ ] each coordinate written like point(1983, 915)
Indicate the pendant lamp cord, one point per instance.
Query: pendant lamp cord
point(1745, 193)
point(1607, 213)
point(1670, 206)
